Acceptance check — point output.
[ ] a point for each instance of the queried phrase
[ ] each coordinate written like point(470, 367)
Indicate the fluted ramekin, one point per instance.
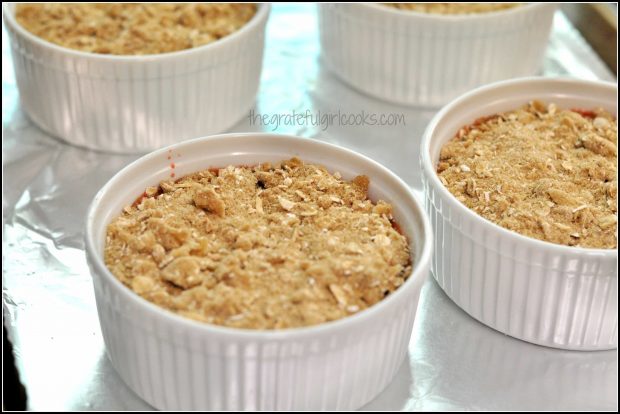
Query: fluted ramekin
point(424, 59)
point(177, 363)
point(544, 293)
point(134, 104)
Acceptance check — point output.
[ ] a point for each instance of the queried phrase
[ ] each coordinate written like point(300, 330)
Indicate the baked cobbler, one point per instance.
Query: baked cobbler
point(540, 170)
point(453, 8)
point(264, 247)
point(133, 28)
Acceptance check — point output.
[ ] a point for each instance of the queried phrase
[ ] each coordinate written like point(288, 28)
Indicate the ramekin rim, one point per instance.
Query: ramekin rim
point(261, 15)
point(433, 178)
point(327, 328)
point(454, 17)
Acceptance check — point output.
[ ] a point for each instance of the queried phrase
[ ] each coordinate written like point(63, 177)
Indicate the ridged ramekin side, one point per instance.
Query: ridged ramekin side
point(426, 60)
point(564, 300)
point(138, 103)
point(176, 363)
point(549, 294)
point(178, 369)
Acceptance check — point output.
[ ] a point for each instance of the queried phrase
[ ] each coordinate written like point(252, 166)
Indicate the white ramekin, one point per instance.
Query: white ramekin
point(544, 293)
point(137, 103)
point(426, 59)
point(177, 363)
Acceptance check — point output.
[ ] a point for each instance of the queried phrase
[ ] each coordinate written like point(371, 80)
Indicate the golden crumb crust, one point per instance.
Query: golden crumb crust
point(265, 247)
point(542, 171)
point(452, 8)
point(132, 28)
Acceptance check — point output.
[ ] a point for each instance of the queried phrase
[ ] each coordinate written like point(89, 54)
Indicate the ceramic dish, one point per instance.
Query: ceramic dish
point(176, 363)
point(137, 103)
point(424, 59)
point(544, 293)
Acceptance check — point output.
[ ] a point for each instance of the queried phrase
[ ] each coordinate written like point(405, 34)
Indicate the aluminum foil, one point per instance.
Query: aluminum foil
point(454, 362)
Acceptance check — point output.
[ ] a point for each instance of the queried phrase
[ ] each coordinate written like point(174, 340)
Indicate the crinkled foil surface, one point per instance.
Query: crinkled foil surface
point(454, 362)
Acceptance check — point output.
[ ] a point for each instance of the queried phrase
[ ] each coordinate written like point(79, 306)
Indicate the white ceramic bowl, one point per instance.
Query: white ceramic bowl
point(426, 59)
point(548, 294)
point(137, 103)
point(180, 364)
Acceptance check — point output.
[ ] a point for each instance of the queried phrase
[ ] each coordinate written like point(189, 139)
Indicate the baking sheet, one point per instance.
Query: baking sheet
point(454, 362)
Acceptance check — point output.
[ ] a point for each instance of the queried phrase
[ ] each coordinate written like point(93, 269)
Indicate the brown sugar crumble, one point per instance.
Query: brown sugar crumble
point(132, 28)
point(265, 247)
point(541, 171)
point(453, 8)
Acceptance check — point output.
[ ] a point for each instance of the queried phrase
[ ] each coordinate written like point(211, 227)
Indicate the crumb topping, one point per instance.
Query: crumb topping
point(542, 171)
point(453, 8)
point(266, 247)
point(132, 28)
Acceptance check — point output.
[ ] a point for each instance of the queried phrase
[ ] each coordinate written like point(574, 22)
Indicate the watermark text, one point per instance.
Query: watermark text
point(325, 120)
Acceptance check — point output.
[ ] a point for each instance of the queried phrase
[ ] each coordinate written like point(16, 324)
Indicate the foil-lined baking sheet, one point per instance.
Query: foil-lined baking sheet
point(454, 362)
